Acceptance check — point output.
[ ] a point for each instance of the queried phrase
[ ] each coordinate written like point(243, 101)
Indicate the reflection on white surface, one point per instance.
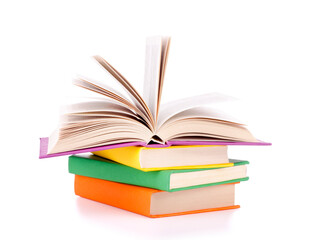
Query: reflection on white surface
point(169, 227)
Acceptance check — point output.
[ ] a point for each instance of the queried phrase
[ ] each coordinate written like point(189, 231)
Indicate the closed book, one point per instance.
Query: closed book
point(166, 180)
point(155, 203)
point(174, 157)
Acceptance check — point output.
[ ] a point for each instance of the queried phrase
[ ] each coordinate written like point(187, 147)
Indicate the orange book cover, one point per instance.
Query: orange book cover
point(129, 197)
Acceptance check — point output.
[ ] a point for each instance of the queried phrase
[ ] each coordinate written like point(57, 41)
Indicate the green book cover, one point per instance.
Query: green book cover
point(98, 167)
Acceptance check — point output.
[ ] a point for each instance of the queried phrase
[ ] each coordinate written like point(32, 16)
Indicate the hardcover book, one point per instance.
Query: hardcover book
point(44, 146)
point(175, 157)
point(127, 117)
point(155, 203)
point(166, 180)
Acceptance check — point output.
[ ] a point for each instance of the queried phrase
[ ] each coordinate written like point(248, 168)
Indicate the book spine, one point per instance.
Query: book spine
point(128, 197)
point(119, 173)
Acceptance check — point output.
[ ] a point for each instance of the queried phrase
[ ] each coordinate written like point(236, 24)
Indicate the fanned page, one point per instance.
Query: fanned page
point(155, 65)
point(205, 112)
point(93, 110)
point(203, 124)
point(170, 109)
point(111, 93)
point(132, 92)
point(88, 128)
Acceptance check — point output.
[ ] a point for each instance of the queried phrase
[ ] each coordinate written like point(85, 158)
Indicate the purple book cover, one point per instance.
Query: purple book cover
point(44, 146)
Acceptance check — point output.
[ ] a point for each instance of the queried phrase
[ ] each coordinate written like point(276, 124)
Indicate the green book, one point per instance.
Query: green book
point(166, 180)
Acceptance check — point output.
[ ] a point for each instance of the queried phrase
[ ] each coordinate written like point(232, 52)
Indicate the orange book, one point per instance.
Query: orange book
point(156, 203)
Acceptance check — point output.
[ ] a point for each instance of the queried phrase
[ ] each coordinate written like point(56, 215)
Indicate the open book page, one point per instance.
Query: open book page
point(108, 91)
point(103, 89)
point(164, 58)
point(196, 128)
point(81, 131)
point(170, 109)
point(96, 106)
point(132, 92)
point(155, 65)
point(96, 138)
point(95, 110)
point(203, 112)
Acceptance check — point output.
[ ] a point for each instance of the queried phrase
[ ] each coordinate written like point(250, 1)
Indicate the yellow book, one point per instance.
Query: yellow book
point(174, 157)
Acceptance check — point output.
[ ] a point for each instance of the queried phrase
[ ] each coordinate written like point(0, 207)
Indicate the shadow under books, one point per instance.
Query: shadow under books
point(131, 223)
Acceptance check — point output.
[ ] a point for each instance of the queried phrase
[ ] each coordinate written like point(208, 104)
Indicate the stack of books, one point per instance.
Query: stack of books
point(129, 153)
point(160, 182)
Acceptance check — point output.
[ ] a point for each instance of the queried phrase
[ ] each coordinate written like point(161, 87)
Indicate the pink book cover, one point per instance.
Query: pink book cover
point(44, 146)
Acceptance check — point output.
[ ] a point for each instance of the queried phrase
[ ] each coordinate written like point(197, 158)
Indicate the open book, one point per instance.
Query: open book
point(120, 119)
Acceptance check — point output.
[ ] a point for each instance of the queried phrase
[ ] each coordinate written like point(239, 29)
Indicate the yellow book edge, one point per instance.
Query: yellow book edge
point(130, 156)
point(221, 165)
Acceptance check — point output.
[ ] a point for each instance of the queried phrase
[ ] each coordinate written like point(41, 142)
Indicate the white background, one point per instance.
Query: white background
point(257, 51)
